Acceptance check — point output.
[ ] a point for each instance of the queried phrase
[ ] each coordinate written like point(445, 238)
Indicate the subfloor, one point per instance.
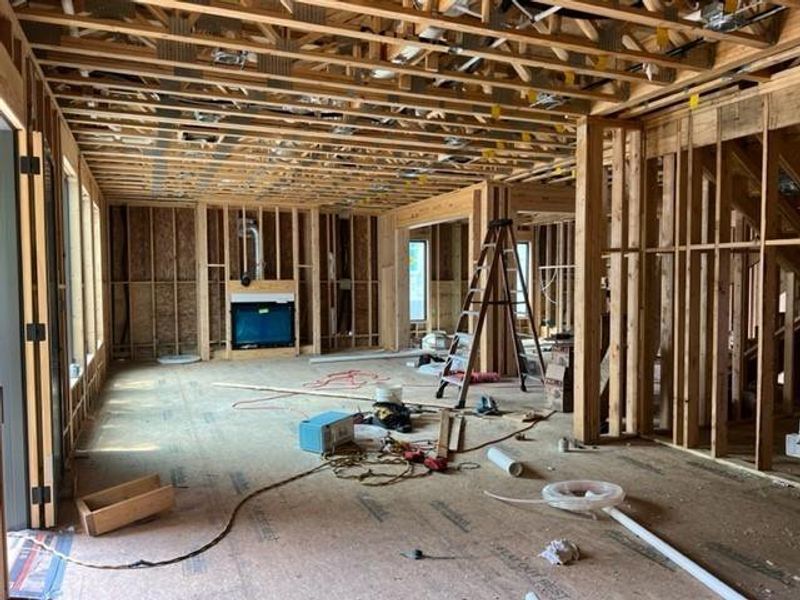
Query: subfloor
point(322, 537)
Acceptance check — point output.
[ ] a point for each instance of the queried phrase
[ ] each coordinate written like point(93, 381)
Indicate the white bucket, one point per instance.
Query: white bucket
point(504, 461)
point(385, 392)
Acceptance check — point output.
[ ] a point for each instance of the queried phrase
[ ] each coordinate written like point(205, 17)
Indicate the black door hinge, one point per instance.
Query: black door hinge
point(35, 332)
point(40, 495)
point(30, 165)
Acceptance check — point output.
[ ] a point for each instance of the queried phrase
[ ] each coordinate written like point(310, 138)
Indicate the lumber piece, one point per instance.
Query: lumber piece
point(456, 431)
point(443, 445)
point(115, 507)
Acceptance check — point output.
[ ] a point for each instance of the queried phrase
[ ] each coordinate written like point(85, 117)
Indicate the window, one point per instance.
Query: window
point(74, 272)
point(418, 280)
point(88, 275)
point(524, 252)
point(98, 274)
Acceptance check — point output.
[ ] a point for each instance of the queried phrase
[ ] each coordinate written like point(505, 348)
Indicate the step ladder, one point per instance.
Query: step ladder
point(498, 252)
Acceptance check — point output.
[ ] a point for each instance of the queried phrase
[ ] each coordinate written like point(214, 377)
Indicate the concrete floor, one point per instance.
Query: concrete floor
point(328, 538)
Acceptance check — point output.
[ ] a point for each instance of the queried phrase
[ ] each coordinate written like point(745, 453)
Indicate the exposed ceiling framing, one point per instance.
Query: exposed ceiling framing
point(371, 103)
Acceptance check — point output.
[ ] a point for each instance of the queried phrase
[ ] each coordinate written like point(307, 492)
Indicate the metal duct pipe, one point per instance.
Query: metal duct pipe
point(259, 274)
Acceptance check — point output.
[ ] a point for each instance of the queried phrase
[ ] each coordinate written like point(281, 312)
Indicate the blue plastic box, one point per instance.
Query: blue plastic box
point(322, 433)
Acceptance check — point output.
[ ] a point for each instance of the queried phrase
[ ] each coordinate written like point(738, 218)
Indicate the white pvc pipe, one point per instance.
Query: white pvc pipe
point(722, 589)
point(505, 462)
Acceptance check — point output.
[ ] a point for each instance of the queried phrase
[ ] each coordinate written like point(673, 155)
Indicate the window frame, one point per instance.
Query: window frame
point(523, 275)
point(425, 276)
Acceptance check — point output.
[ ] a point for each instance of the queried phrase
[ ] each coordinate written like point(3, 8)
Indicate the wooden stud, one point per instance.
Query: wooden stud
point(789, 362)
point(618, 283)
point(691, 348)
point(316, 286)
point(679, 299)
point(635, 412)
point(720, 355)
point(226, 245)
point(739, 316)
point(296, 276)
point(201, 275)
point(768, 284)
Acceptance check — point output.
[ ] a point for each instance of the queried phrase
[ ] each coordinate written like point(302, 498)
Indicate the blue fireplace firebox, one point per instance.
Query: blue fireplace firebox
point(262, 324)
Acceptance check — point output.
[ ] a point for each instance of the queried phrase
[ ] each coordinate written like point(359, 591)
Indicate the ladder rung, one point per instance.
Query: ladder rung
point(473, 290)
point(490, 244)
point(470, 313)
point(453, 380)
point(525, 335)
point(463, 335)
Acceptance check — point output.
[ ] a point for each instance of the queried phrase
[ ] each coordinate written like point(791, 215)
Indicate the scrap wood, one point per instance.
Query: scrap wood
point(369, 356)
point(455, 432)
point(293, 391)
point(313, 392)
point(443, 445)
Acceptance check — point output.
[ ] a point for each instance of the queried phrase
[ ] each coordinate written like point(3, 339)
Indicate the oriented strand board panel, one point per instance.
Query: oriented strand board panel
point(187, 316)
point(118, 233)
point(165, 318)
point(164, 247)
point(139, 227)
point(141, 327)
point(360, 249)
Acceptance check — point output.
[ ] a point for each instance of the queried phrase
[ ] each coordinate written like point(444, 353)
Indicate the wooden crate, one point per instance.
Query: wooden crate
point(124, 504)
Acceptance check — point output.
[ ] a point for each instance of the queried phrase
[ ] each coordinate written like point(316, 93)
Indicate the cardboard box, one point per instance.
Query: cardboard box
point(124, 504)
point(558, 388)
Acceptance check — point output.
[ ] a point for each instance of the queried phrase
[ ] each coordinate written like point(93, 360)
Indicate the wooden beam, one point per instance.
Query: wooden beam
point(588, 271)
point(462, 24)
point(659, 20)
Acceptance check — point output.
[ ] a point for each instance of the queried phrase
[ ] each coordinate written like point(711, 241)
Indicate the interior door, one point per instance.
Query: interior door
point(34, 268)
point(55, 301)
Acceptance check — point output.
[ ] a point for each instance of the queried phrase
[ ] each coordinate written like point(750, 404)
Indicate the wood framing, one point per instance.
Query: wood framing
point(588, 233)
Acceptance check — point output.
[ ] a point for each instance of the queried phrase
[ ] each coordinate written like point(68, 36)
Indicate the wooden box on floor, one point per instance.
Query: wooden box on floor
point(124, 504)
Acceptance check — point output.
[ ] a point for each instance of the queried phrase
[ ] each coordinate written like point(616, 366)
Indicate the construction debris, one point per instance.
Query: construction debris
point(127, 503)
point(561, 552)
point(331, 358)
point(487, 406)
point(504, 461)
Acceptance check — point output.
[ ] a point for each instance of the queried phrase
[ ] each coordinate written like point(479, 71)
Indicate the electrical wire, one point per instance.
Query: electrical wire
point(510, 435)
point(339, 465)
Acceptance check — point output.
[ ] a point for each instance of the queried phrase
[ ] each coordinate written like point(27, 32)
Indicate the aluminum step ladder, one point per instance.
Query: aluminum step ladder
point(498, 252)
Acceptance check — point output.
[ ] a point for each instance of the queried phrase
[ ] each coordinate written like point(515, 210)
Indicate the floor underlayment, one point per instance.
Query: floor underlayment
point(328, 538)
